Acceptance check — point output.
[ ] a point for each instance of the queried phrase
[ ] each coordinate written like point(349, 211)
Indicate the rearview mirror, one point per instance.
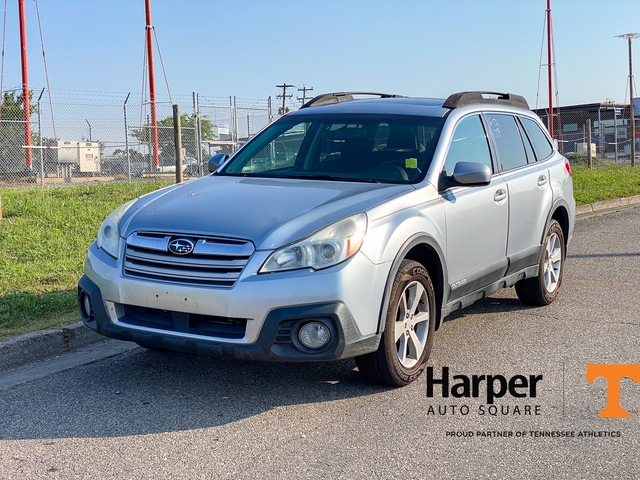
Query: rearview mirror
point(216, 161)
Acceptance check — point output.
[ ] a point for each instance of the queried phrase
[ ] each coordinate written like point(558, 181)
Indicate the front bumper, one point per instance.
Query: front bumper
point(267, 308)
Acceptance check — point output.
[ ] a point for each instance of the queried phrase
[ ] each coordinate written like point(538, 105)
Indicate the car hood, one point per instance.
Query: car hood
point(269, 212)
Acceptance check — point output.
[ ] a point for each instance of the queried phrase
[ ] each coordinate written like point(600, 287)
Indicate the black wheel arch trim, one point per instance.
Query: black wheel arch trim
point(559, 202)
point(440, 290)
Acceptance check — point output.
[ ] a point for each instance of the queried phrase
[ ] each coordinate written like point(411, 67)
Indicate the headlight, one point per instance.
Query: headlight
point(325, 248)
point(109, 233)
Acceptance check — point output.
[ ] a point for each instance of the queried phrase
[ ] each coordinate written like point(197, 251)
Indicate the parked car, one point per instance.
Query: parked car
point(349, 228)
point(189, 167)
point(122, 167)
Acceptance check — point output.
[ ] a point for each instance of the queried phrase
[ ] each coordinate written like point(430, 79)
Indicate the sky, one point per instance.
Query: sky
point(245, 48)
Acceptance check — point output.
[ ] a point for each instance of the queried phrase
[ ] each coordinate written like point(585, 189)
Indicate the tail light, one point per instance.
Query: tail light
point(567, 166)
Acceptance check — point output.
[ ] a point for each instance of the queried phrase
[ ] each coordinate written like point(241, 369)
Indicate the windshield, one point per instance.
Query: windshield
point(364, 148)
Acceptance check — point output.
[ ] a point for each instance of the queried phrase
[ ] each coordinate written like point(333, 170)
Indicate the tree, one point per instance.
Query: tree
point(12, 157)
point(166, 149)
point(134, 155)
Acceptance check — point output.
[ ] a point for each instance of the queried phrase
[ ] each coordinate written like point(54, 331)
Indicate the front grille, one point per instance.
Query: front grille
point(206, 325)
point(214, 261)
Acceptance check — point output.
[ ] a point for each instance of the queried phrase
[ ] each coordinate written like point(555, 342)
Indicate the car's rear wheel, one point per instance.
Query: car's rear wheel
point(543, 289)
point(409, 326)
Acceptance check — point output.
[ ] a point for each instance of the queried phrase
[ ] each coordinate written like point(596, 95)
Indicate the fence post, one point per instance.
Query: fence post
point(149, 147)
point(235, 124)
point(231, 129)
point(40, 141)
point(615, 130)
point(195, 124)
point(177, 141)
point(270, 111)
point(198, 137)
point(589, 159)
point(126, 138)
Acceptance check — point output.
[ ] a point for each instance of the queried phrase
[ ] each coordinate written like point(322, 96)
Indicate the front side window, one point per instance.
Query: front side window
point(281, 152)
point(367, 148)
point(468, 144)
point(508, 141)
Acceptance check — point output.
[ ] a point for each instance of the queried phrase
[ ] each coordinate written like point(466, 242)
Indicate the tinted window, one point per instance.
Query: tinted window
point(506, 134)
point(370, 148)
point(527, 145)
point(468, 144)
point(539, 140)
point(281, 152)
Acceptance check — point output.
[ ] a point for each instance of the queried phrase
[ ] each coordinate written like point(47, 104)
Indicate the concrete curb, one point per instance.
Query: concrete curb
point(32, 347)
point(605, 205)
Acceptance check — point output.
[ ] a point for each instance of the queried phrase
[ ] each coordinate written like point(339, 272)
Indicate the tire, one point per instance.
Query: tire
point(543, 289)
point(409, 327)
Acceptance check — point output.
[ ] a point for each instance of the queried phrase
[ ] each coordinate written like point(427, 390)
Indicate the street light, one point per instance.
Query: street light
point(629, 37)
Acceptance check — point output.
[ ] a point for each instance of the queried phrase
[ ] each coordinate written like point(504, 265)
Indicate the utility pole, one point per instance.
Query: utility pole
point(152, 86)
point(89, 129)
point(284, 96)
point(629, 37)
point(25, 86)
point(304, 91)
point(550, 67)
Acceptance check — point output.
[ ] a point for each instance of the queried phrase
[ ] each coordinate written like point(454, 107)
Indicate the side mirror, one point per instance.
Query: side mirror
point(216, 161)
point(471, 173)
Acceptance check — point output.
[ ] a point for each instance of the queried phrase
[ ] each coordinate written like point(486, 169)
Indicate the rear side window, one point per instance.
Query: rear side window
point(468, 144)
point(527, 144)
point(506, 134)
point(539, 140)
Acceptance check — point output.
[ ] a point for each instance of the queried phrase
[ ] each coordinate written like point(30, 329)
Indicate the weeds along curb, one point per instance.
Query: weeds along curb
point(607, 205)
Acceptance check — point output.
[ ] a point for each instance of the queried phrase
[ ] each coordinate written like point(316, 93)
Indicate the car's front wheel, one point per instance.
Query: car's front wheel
point(543, 289)
point(409, 326)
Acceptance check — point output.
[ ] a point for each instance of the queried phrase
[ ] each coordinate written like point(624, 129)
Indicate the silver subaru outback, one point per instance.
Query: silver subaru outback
point(349, 228)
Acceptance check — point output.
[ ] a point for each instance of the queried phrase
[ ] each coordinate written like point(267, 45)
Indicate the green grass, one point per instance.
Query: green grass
point(45, 234)
point(44, 238)
point(604, 183)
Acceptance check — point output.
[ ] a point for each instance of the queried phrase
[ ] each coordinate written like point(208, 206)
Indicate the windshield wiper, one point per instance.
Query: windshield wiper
point(328, 177)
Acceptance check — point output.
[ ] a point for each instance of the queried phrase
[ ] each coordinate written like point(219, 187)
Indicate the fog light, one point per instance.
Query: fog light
point(314, 335)
point(86, 305)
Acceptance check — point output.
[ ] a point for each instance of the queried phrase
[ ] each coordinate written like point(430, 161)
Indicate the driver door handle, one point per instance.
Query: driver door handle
point(500, 195)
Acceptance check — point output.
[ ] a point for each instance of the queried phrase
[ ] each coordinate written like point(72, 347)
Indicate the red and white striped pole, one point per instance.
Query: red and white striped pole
point(550, 67)
point(25, 86)
point(152, 86)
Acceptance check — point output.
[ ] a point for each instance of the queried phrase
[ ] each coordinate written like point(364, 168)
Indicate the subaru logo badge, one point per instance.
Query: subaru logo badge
point(181, 246)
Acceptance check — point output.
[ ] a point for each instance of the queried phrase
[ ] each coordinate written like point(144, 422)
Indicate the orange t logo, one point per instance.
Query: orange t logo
point(613, 374)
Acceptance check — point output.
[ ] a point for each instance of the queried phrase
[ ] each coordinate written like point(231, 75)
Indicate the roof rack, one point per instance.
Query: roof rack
point(462, 99)
point(339, 97)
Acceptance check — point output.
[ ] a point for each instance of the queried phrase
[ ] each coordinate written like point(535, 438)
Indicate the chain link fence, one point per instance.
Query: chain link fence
point(88, 137)
point(84, 137)
point(603, 128)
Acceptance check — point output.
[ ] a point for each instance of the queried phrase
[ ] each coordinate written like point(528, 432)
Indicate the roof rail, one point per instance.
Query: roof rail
point(462, 99)
point(339, 97)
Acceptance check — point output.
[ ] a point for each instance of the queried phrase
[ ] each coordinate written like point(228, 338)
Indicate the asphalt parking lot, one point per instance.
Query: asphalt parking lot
point(145, 414)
